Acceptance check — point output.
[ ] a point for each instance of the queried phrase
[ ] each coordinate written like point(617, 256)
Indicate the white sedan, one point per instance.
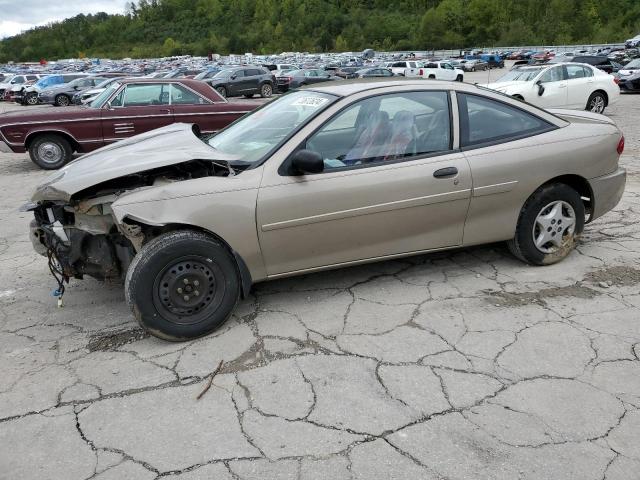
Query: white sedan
point(562, 85)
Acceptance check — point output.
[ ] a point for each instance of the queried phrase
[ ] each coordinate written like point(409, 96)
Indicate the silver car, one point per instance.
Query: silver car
point(324, 177)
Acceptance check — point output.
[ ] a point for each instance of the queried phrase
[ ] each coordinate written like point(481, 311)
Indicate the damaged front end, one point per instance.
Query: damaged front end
point(80, 235)
point(81, 239)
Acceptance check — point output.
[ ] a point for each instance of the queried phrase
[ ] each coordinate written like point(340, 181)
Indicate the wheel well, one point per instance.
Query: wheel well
point(32, 136)
point(580, 185)
point(151, 232)
point(604, 94)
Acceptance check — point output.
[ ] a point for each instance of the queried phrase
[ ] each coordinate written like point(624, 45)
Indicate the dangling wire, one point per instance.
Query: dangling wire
point(58, 274)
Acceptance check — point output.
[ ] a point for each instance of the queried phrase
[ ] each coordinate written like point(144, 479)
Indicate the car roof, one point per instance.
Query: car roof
point(344, 88)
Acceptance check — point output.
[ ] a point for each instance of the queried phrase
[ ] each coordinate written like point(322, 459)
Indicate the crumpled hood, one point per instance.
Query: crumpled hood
point(170, 145)
point(504, 86)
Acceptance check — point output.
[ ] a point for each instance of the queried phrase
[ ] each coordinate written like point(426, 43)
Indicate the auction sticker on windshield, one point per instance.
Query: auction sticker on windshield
point(310, 102)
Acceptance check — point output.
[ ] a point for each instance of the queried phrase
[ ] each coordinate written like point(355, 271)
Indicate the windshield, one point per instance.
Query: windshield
point(521, 74)
point(205, 74)
point(255, 135)
point(633, 64)
point(223, 73)
point(105, 83)
point(104, 96)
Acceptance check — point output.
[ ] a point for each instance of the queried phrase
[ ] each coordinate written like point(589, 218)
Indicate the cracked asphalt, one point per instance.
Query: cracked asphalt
point(459, 365)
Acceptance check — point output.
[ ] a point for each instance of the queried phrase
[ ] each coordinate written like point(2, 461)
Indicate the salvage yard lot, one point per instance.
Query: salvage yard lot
point(464, 364)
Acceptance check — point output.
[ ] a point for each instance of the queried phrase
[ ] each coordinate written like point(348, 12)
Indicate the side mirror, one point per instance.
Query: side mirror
point(233, 77)
point(108, 106)
point(76, 87)
point(306, 161)
point(540, 88)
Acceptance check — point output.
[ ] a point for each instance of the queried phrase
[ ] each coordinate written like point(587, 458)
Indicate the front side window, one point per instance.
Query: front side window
point(385, 128)
point(142, 95)
point(484, 120)
point(554, 74)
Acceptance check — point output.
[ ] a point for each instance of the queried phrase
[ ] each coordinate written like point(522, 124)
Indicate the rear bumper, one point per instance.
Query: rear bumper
point(607, 192)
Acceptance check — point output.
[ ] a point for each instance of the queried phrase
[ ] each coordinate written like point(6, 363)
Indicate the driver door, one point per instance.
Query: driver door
point(555, 85)
point(392, 185)
point(136, 108)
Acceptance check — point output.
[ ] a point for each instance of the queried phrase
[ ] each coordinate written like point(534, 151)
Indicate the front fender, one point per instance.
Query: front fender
point(224, 206)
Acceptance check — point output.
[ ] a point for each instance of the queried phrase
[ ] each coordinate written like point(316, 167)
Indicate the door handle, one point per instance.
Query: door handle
point(165, 110)
point(445, 172)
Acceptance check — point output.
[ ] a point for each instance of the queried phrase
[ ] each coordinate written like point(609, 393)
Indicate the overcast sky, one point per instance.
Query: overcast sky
point(19, 15)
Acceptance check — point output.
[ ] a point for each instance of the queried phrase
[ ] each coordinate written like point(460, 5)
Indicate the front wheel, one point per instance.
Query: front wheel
point(596, 103)
point(266, 90)
point(550, 223)
point(459, 78)
point(50, 152)
point(222, 91)
point(182, 285)
point(32, 99)
point(62, 101)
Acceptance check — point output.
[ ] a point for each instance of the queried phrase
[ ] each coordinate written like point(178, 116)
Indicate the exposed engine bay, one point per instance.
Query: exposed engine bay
point(81, 237)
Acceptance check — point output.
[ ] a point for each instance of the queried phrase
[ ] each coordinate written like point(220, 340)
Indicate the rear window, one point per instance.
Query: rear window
point(484, 120)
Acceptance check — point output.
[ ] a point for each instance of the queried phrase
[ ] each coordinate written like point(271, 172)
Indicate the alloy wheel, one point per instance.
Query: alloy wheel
point(597, 104)
point(554, 227)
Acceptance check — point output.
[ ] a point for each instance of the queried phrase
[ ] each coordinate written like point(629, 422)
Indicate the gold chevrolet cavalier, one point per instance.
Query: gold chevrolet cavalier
point(320, 178)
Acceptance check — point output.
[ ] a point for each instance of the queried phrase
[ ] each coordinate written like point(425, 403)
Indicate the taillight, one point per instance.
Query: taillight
point(616, 80)
point(421, 71)
point(620, 148)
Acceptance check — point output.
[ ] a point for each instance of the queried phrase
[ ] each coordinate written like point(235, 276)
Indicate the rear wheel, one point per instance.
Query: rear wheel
point(62, 101)
point(266, 90)
point(432, 77)
point(50, 151)
point(182, 285)
point(597, 102)
point(459, 78)
point(549, 225)
point(222, 91)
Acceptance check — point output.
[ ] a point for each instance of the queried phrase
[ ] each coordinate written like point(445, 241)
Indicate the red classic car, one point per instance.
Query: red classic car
point(126, 108)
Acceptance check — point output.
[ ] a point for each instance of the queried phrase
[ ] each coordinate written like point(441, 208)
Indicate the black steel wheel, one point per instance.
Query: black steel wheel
point(177, 295)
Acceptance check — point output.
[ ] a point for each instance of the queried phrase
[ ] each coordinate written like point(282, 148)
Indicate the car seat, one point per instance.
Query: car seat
point(403, 136)
point(371, 142)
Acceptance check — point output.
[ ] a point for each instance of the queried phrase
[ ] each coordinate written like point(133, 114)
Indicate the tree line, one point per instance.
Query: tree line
point(155, 28)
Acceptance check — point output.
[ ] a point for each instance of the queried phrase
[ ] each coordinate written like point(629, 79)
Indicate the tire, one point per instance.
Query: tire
point(50, 151)
point(432, 77)
point(62, 101)
point(459, 78)
point(266, 90)
point(222, 91)
point(473, 69)
point(32, 99)
point(597, 102)
point(537, 211)
point(167, 277)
